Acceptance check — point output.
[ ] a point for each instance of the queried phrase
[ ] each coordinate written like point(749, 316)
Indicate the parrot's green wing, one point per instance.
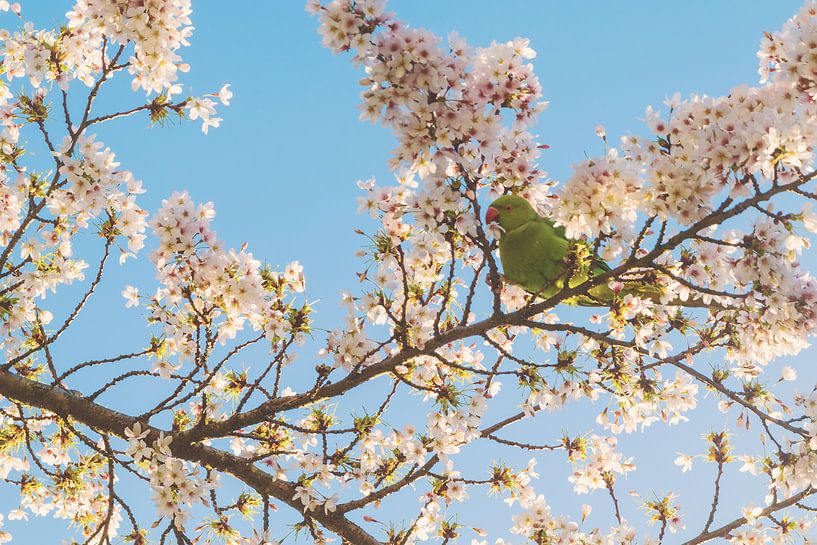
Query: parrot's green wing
point(533, 257)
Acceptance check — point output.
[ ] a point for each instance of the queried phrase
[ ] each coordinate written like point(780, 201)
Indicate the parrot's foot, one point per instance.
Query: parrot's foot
point(497, 286)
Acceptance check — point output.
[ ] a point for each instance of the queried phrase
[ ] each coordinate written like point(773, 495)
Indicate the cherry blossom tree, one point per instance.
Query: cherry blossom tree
point(712, 204)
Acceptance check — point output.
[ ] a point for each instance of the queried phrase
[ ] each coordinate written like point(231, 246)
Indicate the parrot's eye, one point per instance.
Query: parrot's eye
point(509, 208)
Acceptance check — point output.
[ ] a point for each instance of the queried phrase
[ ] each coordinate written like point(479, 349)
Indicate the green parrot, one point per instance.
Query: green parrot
point(537, 256)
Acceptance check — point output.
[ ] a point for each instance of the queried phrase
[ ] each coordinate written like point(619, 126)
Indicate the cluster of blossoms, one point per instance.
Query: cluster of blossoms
point(420, 248)
point(10, 211)
point(602, 462)
point(711, 144)
point(788, 56)
point(451, 487)
point(351, 346)
point(799, 470)
point(176, 484)
point(205, 108)
point(93, 185)
point(73, 487)
point(538, 523)
point(640, 409)
point(442, 103)
point(157, 28)
point(712, 147)
point(554, 397)
point(602, 196)
point(97, 34)
point(202, 283)
point(448, 432)
point(779, 315)
point(759, 532)
point(89, 190)
point(29, 53)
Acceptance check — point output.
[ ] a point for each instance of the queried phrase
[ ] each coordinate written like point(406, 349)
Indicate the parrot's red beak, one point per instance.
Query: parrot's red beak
point(491, 215)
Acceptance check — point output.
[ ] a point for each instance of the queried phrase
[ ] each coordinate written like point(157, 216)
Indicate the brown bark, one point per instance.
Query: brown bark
point(104, 420)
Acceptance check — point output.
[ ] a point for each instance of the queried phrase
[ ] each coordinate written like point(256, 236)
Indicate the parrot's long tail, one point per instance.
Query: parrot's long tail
point(644, 286)
point(604, 296)
point(645, 290)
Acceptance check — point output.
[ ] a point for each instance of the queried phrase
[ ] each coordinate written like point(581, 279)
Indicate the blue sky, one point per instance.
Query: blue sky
point(282, 167)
